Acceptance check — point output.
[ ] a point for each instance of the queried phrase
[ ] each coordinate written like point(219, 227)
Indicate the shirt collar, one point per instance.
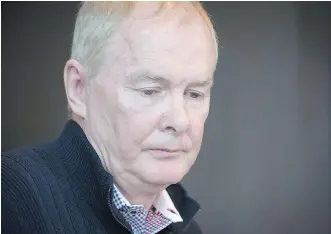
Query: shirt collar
point(163, 204)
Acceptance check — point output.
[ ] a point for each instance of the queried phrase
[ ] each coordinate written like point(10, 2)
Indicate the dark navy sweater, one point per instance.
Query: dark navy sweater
point(62, 187)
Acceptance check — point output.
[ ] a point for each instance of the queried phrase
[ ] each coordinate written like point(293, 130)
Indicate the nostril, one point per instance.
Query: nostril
point(171, 129)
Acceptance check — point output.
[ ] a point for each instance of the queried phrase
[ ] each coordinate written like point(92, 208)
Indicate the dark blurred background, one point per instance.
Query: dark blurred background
point(264, 166)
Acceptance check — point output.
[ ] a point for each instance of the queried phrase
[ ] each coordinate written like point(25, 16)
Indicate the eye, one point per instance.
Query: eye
point(150, 92)
point(195, 94)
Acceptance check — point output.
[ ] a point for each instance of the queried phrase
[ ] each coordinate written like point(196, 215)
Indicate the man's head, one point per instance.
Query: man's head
point(139, 85)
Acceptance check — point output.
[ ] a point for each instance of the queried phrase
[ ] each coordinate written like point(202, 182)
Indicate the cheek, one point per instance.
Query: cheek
point(196, 133)
point(196, 130)
point(134, 127)
point(97, 108)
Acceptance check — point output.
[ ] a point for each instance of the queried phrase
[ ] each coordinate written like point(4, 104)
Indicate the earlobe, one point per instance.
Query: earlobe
point(75, 87)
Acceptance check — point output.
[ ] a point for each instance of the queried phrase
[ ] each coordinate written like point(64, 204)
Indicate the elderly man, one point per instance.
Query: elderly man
point(138, 88)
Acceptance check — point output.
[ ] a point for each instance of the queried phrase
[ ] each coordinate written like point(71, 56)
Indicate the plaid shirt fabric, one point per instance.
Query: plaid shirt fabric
point(147, 222)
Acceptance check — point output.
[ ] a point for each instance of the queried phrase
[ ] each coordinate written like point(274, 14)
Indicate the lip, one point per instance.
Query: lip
point(166, 153)
point(168, 150)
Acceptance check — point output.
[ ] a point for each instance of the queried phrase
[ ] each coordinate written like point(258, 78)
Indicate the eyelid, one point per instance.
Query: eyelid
point(200, 95)
point(149, 88)
point(195, 91)
point(155, 90)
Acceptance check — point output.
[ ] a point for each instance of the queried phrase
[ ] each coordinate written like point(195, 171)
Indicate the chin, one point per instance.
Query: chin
point(165, 176)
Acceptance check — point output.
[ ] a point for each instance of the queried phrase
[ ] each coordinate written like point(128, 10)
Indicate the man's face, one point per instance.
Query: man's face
point(147, 110)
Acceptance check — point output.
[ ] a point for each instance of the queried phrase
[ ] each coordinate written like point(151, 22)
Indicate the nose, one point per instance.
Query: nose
point(175, 118)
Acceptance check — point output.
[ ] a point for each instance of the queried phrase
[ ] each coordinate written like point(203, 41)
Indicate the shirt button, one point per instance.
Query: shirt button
point(133, 212)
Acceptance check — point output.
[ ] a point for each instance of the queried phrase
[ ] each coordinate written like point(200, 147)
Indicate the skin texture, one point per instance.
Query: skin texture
point(152, 93)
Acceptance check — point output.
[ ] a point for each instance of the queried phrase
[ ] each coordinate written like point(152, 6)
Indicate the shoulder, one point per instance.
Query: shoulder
point(24, 163)
point(24, 186)
point(22, 167)
point(29, 159)
point(18, 164)
point(33, 167)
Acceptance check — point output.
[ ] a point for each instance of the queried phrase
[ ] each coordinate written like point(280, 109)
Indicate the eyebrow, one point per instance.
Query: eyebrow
point(141, 76)
point(204, 83)
point(137, 77)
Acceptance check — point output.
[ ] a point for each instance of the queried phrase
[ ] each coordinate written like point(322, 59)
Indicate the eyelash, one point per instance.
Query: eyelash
point(149, 92)
point(199, 95)
point(145, 91)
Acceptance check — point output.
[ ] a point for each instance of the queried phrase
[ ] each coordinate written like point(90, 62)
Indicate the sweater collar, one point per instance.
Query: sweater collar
point(93, 181)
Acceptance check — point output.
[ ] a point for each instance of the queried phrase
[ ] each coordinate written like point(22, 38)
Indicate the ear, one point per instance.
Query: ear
point(75, 87)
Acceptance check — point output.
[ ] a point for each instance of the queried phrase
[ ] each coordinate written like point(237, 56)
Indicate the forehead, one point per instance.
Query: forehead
point(176, 46)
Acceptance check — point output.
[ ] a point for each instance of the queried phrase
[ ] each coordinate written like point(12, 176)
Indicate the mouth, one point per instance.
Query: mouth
point(168, 150)
point(166, 153)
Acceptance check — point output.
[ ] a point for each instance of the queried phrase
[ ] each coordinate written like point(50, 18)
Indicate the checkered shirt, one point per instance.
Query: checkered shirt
point(142, 221)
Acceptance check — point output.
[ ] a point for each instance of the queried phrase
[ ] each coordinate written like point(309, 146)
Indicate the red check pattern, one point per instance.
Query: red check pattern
point(141, 221)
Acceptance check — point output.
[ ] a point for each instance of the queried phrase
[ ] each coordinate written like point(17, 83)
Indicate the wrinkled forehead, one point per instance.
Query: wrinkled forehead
point(164, 38)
